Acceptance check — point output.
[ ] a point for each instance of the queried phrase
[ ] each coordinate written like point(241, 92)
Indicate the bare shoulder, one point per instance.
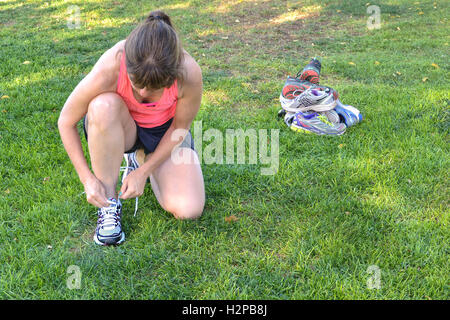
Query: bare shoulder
point(192, 75)
point(111, 57)
point(107, 67)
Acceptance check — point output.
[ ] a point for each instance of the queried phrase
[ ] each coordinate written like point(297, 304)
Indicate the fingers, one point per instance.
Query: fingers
point(97, 200)
point(100, 198)
point(103, 201)
point(125, 191)
point(129, 193)
point(96, 195)
point(129, 190)
point(123, 188)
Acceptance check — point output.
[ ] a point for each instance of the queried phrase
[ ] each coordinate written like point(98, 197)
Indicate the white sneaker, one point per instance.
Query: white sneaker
point(132, 162)
point(309, 100)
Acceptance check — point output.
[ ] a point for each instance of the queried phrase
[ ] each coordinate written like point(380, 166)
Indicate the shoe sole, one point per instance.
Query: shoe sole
point(297, 128)
point(311, 76)
point(292, 85)
point(300, 129)
point(122, 239)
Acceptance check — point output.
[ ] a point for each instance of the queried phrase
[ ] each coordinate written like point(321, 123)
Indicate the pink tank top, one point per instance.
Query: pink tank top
point(147, 115)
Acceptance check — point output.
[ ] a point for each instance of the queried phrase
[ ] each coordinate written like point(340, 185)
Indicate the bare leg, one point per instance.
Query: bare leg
point(111, 131)
point(179, 188)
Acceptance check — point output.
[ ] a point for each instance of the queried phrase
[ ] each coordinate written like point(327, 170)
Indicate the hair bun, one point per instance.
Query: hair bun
point(159, 16)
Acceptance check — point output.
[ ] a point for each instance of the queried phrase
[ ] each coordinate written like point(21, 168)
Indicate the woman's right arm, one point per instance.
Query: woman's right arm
point(102, 78)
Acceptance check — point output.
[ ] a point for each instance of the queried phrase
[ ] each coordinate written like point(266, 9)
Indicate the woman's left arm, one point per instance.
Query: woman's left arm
point(187, 108)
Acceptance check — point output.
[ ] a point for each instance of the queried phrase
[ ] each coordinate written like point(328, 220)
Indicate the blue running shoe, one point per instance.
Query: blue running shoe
point(348, 114)
point(109, 229)
point(313, 122)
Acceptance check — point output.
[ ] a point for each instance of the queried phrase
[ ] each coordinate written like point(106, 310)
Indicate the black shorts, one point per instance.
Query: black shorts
point(149, 138)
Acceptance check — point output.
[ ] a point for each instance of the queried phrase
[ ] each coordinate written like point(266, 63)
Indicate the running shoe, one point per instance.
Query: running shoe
point(311, 99)
point(294, 87)
point(313, 122)
point(132, 161)
point(348, 114)
point(109, 229)
point(332, 116)
point(311, 72)
point(288, 118)
point(281, 113)
point(131, 164)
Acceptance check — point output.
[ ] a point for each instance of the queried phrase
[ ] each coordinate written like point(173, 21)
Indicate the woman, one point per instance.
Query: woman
point(138, 93)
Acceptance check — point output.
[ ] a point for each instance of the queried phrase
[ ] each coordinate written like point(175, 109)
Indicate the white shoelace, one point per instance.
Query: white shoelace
point(135, 206)
point(108, 215)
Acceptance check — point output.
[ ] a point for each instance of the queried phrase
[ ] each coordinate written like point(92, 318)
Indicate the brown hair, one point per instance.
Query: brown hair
point(153, 53)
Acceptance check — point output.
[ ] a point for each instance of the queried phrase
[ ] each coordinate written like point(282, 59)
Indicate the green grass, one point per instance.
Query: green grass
point(378, 195)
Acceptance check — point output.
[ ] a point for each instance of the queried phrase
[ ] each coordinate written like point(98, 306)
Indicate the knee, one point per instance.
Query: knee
point(185, 210)
point(104, 110)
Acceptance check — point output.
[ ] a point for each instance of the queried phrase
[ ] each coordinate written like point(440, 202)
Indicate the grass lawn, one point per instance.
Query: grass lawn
point(376, 196)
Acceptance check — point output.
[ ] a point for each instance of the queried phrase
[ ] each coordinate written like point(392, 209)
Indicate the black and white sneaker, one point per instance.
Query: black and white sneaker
point(132, 163)
point(109, 229)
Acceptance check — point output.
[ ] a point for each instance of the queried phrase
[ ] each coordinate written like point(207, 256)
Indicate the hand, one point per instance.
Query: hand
point(133, 185)
point(95, 193)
